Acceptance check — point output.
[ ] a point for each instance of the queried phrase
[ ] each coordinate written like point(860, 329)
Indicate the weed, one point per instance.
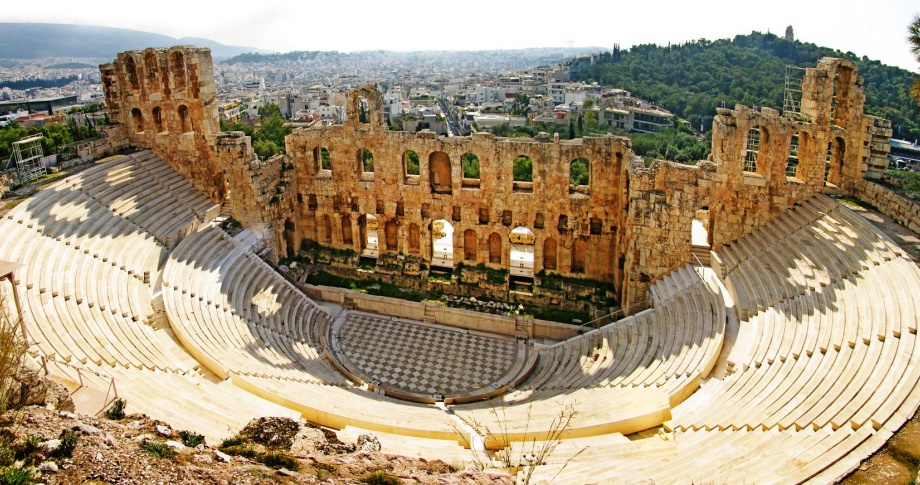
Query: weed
point(69, 439)
point(235, 440)
point(191, 438)
point(157, 449)
point(26, 450)
point(12, 350)
point(381, 477)
point(116, 412)
point(279, 459)
point(16, 476)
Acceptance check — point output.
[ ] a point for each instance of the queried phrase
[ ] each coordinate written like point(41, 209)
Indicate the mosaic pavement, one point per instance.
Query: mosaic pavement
point(421, 358)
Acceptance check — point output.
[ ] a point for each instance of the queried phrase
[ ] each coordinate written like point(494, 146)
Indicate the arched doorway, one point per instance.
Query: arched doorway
point(700, 241)
point(439, 172)
point(470, 245)
point(371, 243)
point(549, 254)
point(521, 259)
point(495, 248)
point(442, 244)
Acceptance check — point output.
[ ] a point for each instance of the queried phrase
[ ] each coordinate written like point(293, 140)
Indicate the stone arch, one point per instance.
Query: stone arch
point(138, 119)
point(185, 123)
point(131, 71)
point(442, 244)
point(151, 65)
point(411, 165)
point(521, 256)
point(177, 70)
point(391, 231)
point(321, 159)
point(413, 238)
point(549, 253)
point(470, 245)
point(365, 107)
point(495, 248)
point(290, 230)
point(579, 173)
point(327, 229)
point(579, 254)
point(439, 172)
point(158, 119)
point(836, 151)
point(347, 236)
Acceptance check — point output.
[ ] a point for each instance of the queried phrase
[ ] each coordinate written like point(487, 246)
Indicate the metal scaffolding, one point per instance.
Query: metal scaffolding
point(792, 94)
point(27, 153)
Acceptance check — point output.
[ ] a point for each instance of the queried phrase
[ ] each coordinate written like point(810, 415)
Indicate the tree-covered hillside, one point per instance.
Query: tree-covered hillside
point(695, 78)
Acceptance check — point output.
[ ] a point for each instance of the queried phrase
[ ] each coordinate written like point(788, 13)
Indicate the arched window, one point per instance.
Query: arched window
point(751, 150)
point(549, 253)
point(327, 229)
point(792, 163)
point(439, 172)
point(413, 238)
point(364, 110)
point(185, 124)
point(153, 71)
point(469, 163)
point(177, 71)
point(365, 161)
point(131, 68)
point(158, 119)
point(470, 245)
point(138, 118)
point(392, 235)
point(579, 252)
point(495, 248)
point(410, 162)
point(523, 174)
point(346, 230)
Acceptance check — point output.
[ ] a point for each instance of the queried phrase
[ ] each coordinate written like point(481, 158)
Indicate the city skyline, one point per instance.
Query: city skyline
point(283, 26)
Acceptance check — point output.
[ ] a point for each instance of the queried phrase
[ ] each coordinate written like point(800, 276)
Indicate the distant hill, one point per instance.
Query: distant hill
point(694, 78)
point(30, 41)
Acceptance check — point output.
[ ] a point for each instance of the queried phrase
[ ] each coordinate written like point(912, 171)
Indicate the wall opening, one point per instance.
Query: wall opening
point(365, 161)
point(158, 119)
point(177, 71)
point(579, 176)
point(150, 63)
point(289, 240)
point(792, 163)
point(364, 110)
point(841, 100)
point(579, 254)
point(185, 124)
point(370, 242)
point(347, 234)
point(699, 231)
point(411, 168)
point(413, 238)
point(442, 244)
point(327, 229)
point(522, 255)
point(522, 174)
point(131, 68)
point(138, 119)
point(469, 163)
point(495, 248)
point(470, 245)
point(549, 254)
point(833, 170)
point(752, 147)
point(391, 231)
point(439, 171)
point(321, 159)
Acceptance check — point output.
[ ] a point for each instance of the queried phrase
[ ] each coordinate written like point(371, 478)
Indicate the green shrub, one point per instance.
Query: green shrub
point(238, 446)
point(69, 439)
point(191, 438)
point(381, 477)
point(116, 412)
point(16, 476)
point(232, 441)
point(157, 449)
point(279, 459)
point(26, 450)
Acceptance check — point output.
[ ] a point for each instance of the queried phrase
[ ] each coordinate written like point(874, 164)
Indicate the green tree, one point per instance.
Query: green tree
point(913, 37)
point(367, 160)
point(579, 171)
point(521, 104)
point(523, 169)
point(412, 166)
point(470, 164)
point(271, 133)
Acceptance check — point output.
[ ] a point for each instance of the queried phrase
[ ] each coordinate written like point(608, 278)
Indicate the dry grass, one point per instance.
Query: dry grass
point(12, 351)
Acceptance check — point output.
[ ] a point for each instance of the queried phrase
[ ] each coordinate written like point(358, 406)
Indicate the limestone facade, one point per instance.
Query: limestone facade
point(629, 225)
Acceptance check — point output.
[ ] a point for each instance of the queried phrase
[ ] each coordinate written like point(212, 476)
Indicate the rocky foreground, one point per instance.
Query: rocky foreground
point(62, 447)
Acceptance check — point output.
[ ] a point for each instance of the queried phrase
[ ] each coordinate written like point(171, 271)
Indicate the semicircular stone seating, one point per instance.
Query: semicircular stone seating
point(823, 370)
point(91, 245)
point(790, 361)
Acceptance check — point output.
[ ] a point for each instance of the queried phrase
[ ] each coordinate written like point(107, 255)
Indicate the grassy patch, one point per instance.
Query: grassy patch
point(116, 412)
point(381, 477)
point(16, 476)
point(191, 438)
point(279, 459)
point(157, 449)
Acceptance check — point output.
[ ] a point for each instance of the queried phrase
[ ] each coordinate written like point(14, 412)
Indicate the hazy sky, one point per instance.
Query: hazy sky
point(876, 29)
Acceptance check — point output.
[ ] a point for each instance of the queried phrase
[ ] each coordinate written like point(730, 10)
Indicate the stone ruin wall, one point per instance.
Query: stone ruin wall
point(575, 231)
point(629, 227)
point(664, 198)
